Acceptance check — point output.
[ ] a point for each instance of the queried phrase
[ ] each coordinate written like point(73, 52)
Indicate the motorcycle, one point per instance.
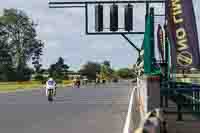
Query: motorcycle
point(77, 84)
point(50, 94)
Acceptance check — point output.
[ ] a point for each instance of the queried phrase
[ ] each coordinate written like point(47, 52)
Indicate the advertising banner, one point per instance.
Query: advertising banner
point(182, 34)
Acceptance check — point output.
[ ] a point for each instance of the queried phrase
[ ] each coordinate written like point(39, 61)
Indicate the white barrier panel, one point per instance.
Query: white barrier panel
point(129, 113)
point(142, 96)
point(137, 107)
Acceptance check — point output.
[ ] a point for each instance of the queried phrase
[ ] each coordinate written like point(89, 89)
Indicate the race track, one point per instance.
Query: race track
point(89, 109)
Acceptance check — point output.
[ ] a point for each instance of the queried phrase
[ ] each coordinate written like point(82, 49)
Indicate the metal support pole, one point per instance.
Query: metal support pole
point(167, 93)
point(147, 8)
point(105, 2)
point(132, 44)
point(166, 55)
point(166, 100)
point(180, 116)
point(161, 101)
point(115, 33)
point(66, 6)
point(152, 34)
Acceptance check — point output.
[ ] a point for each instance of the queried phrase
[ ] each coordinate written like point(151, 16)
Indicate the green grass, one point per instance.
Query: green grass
point(14, 87)
point(11, 87)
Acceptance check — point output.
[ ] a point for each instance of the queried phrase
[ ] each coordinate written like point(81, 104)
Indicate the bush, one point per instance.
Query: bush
point(7, 73)
point(58, 81)
point(39, 77)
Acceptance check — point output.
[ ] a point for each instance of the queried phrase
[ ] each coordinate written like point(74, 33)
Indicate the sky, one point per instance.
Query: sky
point(63, 32)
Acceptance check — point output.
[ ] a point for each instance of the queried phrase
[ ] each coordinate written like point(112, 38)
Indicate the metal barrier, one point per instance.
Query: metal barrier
point(185, 95)
point(188, 99)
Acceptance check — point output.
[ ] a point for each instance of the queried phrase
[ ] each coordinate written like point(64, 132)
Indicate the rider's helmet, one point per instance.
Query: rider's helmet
point(50, 79)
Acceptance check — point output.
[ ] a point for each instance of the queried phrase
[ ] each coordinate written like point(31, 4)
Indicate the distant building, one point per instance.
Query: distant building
point(73, 75)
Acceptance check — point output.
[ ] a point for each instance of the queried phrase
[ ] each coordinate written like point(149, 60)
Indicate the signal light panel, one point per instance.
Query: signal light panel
point(128, 14)
point(113, 17)
point(99, 18)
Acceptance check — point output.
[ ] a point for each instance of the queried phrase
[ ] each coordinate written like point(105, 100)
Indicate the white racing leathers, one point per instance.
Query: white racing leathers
point(50, 85)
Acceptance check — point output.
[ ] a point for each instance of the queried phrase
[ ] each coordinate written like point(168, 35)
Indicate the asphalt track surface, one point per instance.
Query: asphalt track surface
point(89, 109)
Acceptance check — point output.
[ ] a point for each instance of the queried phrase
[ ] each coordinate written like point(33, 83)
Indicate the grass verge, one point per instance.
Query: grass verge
point(14, 86)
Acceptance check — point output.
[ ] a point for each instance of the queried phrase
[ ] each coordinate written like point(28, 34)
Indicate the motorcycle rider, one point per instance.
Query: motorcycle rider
point(76, 82)
point(50, 84)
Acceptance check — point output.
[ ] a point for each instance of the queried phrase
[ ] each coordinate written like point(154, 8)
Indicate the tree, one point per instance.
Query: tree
point(106, 70)
point(36, 56)
point(59, 69)
point(5, 54)
point(20, 38)
point(125, 73)
point(90, 69)
point(7, 72)
point(6, 69)
point(107, 63)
